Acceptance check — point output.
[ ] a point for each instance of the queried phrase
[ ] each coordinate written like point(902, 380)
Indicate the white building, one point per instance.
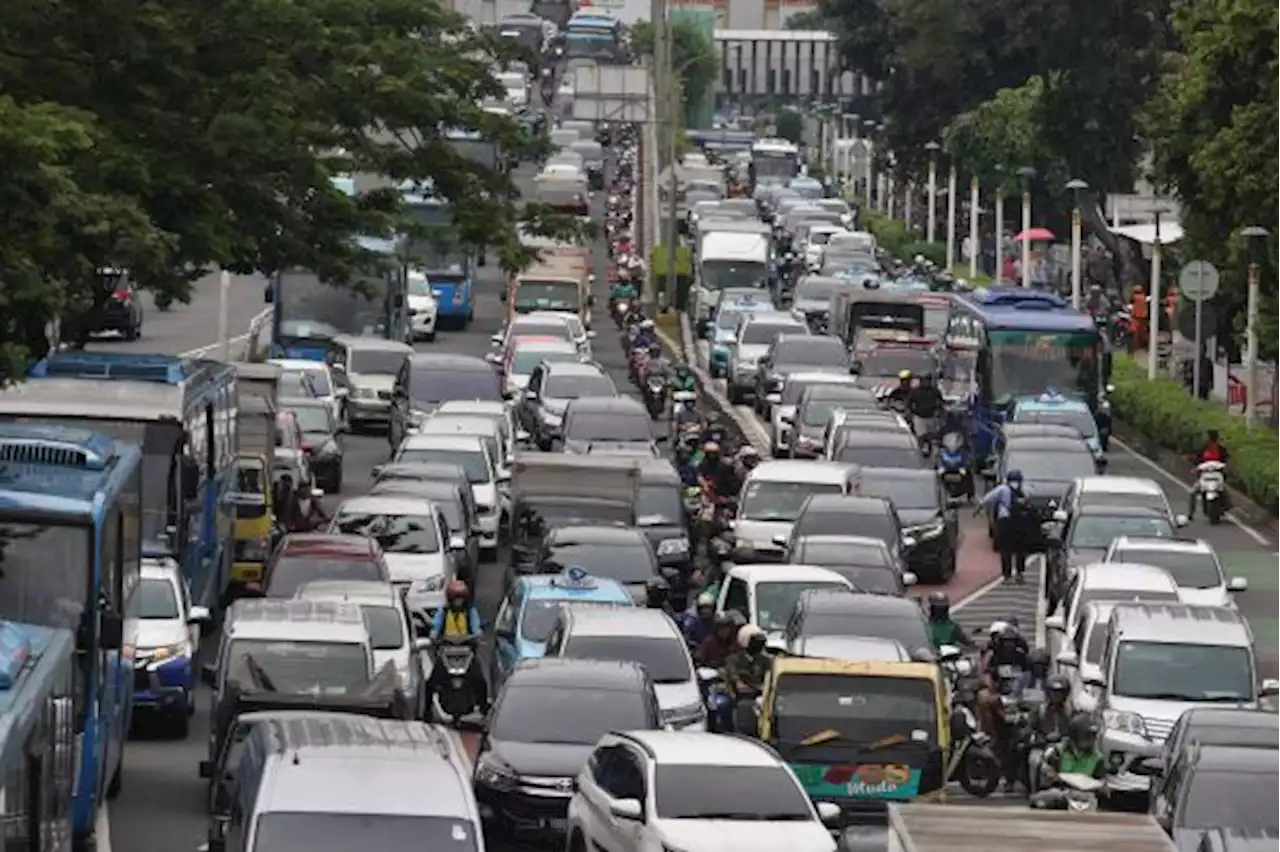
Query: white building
point(798, 64)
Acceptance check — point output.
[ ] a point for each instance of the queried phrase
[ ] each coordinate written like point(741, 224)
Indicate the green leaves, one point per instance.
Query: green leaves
point(694, 57)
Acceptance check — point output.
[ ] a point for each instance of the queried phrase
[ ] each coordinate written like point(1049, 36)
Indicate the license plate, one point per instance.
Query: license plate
point(951, 476)
point(457, 682)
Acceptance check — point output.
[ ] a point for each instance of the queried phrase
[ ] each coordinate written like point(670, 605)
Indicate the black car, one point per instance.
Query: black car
point(426, 380)
point(1022, 431)
point(614, 553)
point(1219, 788)
point(927, 520)
point(1048, 464)
point(609, 421)
point(839, 514)
point(826, 612)
point(795, 353)
point(545, 722)
point(321, 440)
point(122, 311)
point(1235, 727)
point(865, 561)
point(809, 421)
point(552, 386)
point(660, 513)
point(897, 449)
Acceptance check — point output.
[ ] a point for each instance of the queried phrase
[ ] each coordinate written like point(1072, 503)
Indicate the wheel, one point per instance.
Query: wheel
point(335, 484)
point(132, 332)
point(949, 569)
point(1213, 511)
point(979, 773)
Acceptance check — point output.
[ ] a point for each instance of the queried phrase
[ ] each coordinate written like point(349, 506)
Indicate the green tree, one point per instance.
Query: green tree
point(809, 19)
point(693, 56)
point(789, 124)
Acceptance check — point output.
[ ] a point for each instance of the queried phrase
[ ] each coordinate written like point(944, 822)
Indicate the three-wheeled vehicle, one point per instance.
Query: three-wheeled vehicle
point(257, 387)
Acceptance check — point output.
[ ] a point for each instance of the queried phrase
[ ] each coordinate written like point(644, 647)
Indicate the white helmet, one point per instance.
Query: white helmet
point(648, 323)
point(996, 628)
point(746, 633)
point(919, 258)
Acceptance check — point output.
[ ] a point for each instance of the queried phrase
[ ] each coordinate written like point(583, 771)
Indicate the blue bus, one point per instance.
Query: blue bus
point(448, 269)
point(38, 724)
point(1027, 342)
point(182, 413)
point(71, 521)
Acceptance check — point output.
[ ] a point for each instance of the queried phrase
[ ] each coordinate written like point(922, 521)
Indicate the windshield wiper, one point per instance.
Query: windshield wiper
point(1182, 696)
point(260, 677)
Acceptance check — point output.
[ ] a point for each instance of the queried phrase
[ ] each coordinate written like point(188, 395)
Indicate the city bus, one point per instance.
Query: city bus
point(38, 736)
point(774, 161)
point(182, 413)
point(1027, 342)
point(71, 515)
point(448, 269)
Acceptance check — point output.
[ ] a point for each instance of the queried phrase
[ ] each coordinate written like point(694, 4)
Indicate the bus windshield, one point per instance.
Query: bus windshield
point(775, 164)
point(44, 573)
point(1027, 362)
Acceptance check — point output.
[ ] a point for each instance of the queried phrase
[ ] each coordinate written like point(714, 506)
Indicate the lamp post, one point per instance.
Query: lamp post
point(869, 126)
point(1077, 188)
point(1254, 238)
point(1153, 309)
point(998, 225)
point(952, 189)
point(973, 227)
point(1025, 175)
point(932, 204)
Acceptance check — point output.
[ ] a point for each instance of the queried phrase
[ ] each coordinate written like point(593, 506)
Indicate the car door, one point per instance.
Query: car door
point(617, 775)
point(735, 595)
point(193, 627)
point(506, 654)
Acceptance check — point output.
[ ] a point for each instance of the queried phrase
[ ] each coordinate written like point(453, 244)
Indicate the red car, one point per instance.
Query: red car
point(303, 557)
point(123, 310)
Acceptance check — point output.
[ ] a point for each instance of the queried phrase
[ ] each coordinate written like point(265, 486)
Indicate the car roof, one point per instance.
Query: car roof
point(1166, 621)
point(817, 339)
point(576, 673)
point(848, 504)
point(1045, 444)
point(427, 471)
point(638, 622)
point(542, 343)
point(448, 361)
point(458, 423)
point(543, 587)
point(1169, 545)
point(1230, 717)
point(694, 748)
point(1118, 485)
point(870, 648)
point(595, 534)
point(606, 405)
point(359, 592)
point(817, 377)
point(1125, 577)
point(790, 470)
point(326, 544)
point(387, 504)
point(479, 407)
point(288, 403)
point(294, 365)
point(896, 473)
point(575, 368)
point(775, 573)
point(1022, 431)
point(863, 540)
point(836, 387)
point(857, 603)
point(1121, 511)
point(879, 438)
point(159, 569)
point(364, 341)
point(1236, 759)
point(442, 441)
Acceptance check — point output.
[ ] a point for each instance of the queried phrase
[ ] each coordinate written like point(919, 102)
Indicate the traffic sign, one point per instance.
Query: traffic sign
point(1198, 280)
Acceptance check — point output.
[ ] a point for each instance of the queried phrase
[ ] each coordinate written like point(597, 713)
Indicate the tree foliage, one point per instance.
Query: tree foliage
point(173, 137)
point(789, 125)
point(694, 57)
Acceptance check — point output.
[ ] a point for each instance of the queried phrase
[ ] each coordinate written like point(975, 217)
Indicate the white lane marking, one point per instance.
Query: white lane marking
point(200, 352)
point(1165, 474)
point(976, 594)
point(102, 829)
point(1042, 605)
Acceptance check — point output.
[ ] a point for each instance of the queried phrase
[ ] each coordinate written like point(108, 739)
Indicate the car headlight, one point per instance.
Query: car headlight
point(673, 547)
point(427, 585)
point(493, 774)
point(550, 417)
point(682, 715)
point(256, 550)
point(416, 418)
point(366, 393)
point(1124, 722)
point(933, 529)
point(169, 652)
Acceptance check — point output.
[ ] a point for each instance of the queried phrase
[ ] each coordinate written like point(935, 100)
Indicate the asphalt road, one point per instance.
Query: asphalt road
point(162, 807)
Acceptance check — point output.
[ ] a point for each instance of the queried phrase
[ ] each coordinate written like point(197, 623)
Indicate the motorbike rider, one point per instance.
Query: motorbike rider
point(901, 394)
point(925, 404)
point(646, 336)
point(716, 475)
point(657, 595)
point(745, 672)
point(622, 290)
point(682, 378)
point(1078, 754)
point(716, 648)
point(1049, 723)
point(1002, 664)
point(699, 624)
point(458, 619)
point(943, 629)
point(1212, 450)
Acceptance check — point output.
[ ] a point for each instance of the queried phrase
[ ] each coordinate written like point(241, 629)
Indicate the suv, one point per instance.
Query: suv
point(830, 612)
point(426, 380)
point(795, 353)
point(756, 333)
point(303, 557)
point(552, 386)
point(1193, 564)
point(370, 365)
point(652, 791)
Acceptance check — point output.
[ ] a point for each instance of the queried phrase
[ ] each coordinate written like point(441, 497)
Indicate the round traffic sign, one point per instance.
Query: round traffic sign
point(1198, 280)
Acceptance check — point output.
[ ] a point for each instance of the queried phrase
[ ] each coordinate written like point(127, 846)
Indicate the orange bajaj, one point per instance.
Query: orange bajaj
point(859, 734)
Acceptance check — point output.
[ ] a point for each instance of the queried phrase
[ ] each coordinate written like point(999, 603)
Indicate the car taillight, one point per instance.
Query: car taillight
point(306, 448)
point(121, 295)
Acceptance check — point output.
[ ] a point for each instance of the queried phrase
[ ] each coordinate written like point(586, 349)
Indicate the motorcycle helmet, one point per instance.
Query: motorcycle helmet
point(939, 606)
point(749, 456)
point(726, 620)
point(657, 591)
point(647, 324)
point(751, 639)
point(1038, 660)
point(706, 600)
point(456, 591)
point(1013, 477)
point(655, 350)
point(1057, 685)
point(904, 376)
point(1082, 730)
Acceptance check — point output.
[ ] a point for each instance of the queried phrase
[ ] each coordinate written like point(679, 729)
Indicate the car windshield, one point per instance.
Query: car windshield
point(315, 831)
point(727, 319)
point(386, 627)
point(909, 632)
point(411, 534)
point(816, 412)
point(154, 598)
point(313, 419)
point(1191, 569)
point(1050, 465)
point(815, 351)
point(886, 363)
point(905, 492)
point(375, 362)
point(625, 563)
point(1238, 801)
point(622, 427)
point(473, 462)
point(1175, 671)
point(572, 716)
point(303, 384)
point(1025, 362)
point(441, 384)
point(659, 505)
point(1098, 531)
point(817, 289)
point(579, 384)
point(880, 456)
point(775, 601)
point(666, 660)
point(842, 552)
point(1079, 419)
point(541, 328)
point(858, 709)
point(763, 333)
point(298, 668)
point(722, 274)
point(289, 573)
point(746, 793)
point(878, 524)
point(883, 580)
point(526, 359)
point(781, 501)
point(540, 616)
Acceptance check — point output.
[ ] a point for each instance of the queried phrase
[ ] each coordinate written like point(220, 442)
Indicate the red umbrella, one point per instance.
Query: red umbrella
point(1034, 235)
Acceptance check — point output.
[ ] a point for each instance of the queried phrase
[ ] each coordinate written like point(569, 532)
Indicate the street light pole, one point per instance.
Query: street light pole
point(932, 204)
point(1153, 309)
point(1025, 174)
point(998, 225)
point(870, 127)
point(1077, 188)
point(1254, 236)
point(973, 227)
point(952, 189)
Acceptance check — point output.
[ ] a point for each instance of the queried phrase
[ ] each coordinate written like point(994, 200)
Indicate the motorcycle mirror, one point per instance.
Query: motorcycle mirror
point(1181, 520)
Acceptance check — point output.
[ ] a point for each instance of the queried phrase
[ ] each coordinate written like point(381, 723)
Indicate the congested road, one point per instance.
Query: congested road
point(161, 807)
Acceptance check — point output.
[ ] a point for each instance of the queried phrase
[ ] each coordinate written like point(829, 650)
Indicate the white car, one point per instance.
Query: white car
point(470, 453)
point(816, 242)
point(319, 378)
point(1112, 490)
point(771, 500)
point(659, 791)
point(423, 307)
point(1098, 582)
point(765, 594)
point(499, 412)
point(390, 629)
point(421, 554)
point(166, 643)
point(1192, 563)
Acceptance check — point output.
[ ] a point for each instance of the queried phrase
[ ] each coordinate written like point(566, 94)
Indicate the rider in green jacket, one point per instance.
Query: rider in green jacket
point(943, 630)
point(1079, 754)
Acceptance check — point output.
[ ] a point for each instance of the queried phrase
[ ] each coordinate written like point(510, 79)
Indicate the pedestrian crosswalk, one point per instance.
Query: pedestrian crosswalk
point(1000, 601)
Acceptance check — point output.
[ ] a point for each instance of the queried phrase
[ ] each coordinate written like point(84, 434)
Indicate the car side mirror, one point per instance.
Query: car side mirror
point(855, 369)
point(457, 542)
point(1060, 516)
point(1270, 688)
point(1181, 521)
point(780, 540)
point(268, 294)
point(422, 644)
point(492, 358)
point(706, 674)
point(909, 541)
point(788, 419)
point(1067, 659)
point(909, 579)
point(1237, 584)
point(1055, 622)
point(502, 296)
point(829, 813)
point(628, 809)
point(502, 477)
point(198, 615)
point(496, 339)
point(1095, 680)
point(773, 398)
point(591, 303)
point(660, 439)
point(506, 633)
point(209, 675)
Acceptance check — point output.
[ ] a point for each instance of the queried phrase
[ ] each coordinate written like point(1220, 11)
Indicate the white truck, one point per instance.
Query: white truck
point(728, 258)
point(959, 828)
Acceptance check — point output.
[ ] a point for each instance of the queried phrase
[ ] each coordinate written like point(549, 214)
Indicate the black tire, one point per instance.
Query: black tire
point(979, 773)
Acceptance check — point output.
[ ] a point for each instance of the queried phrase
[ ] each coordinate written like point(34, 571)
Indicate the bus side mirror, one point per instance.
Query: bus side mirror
point(268, 294)
point(112, 630)
point(190, 479)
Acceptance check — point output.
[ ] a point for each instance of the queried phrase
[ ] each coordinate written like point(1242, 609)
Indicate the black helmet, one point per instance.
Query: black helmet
point(1056, 684)
point(939, 605)
point(1038, 659)
point(657, 584)
point(738, 618)
point(726, 619)
point(1008, 634)
point(1083, 731)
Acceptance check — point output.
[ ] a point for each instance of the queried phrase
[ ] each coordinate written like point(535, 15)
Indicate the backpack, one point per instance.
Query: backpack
point(1020, 509)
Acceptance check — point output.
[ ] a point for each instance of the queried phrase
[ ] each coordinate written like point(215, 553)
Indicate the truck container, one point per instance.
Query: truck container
point(959, 828)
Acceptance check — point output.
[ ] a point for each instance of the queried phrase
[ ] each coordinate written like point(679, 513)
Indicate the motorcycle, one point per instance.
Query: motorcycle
point(973, 762)
point(1211, 488)
point(620, 309)
point(717, 699)
point(954, 468)
point(456, 697)
point(655, 394)
point(1072, 791)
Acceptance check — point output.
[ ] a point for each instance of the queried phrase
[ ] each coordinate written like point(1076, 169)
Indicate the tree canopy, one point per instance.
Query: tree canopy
point(171, 138)
point(694, 58)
